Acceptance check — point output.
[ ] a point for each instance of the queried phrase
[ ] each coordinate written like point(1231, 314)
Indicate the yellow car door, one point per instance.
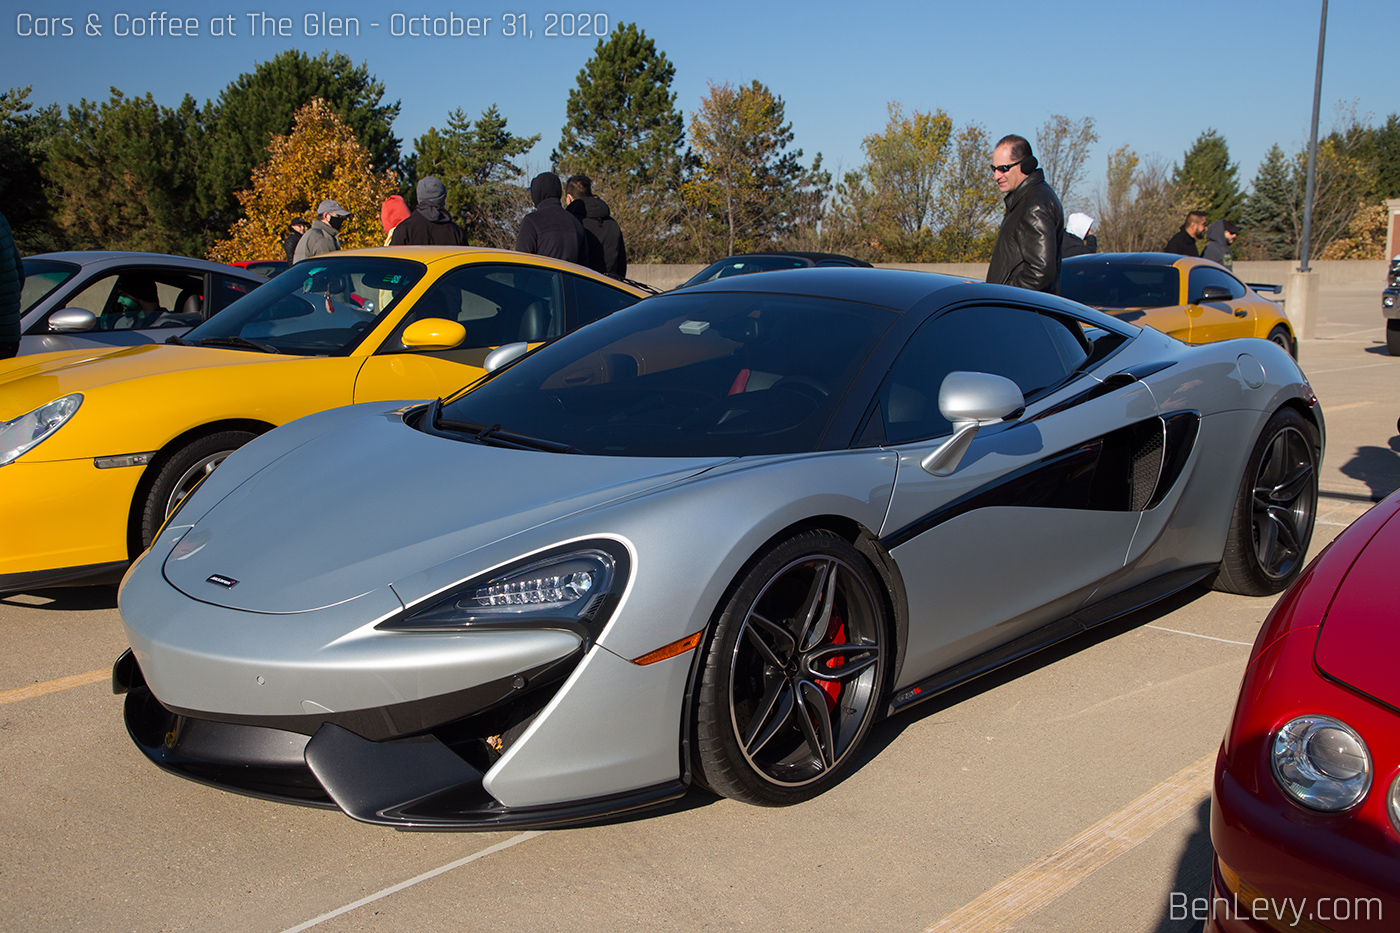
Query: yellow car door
point(1218, 305)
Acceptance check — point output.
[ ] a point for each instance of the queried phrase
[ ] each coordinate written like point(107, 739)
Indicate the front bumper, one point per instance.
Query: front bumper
point(65, 522)
point(434, 779)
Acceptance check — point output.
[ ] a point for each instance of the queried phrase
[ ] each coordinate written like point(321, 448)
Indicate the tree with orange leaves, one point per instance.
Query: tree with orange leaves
point(319, 160)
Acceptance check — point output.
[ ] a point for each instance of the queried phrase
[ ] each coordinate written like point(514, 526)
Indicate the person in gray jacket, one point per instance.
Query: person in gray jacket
point(324, 235)
point(11, 288)
point(1219, 236)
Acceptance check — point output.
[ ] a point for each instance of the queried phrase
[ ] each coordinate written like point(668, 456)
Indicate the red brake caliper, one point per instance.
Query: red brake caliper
point(832, 688)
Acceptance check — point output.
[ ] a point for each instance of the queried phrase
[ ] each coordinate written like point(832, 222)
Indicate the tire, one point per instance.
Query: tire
point(1392, 336)
point(178, 472)
point(769, 731)
point(1283, 338)
point(1274, 511)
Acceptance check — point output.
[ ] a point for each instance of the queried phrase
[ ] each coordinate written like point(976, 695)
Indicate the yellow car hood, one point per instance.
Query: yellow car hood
point(138, 398)
point(31, 381)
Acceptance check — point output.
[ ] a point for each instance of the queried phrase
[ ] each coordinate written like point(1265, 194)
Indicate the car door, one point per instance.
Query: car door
point(1218, 318)
point(1038, 510)
point(497, 304)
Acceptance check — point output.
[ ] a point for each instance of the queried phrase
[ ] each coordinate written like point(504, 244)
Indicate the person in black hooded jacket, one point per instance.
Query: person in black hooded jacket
point(550, 230)
point(429, 224)
point(607, 251)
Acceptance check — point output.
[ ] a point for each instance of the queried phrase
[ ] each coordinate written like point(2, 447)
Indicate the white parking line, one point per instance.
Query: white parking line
point(1227, 641)
point(490, 850)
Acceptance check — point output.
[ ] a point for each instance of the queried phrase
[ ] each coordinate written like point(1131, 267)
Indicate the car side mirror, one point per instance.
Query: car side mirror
point(970, 400)
point(504, 355)
point(433, 333)
point(1214, 293)
point(72, 321)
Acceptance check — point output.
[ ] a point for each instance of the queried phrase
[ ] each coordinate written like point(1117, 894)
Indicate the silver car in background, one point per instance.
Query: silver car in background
point(106, 298)
point(708, 540)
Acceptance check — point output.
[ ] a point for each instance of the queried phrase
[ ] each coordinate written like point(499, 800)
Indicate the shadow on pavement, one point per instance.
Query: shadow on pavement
point(68, 599)
point(1192, 880)
point(1377, 467)
point(887, 731)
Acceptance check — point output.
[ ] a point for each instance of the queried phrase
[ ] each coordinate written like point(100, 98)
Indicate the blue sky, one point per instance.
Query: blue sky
point(1153, 76)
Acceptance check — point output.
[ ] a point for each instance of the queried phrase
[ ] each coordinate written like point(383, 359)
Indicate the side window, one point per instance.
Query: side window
point(594, 300)
point(225, 291)
point(1036, 352)
point(1201, 276)
point(497, 304)
point(143, 300)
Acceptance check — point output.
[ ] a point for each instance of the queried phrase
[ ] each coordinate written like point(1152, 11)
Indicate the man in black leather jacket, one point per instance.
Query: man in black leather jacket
point(1029, 244)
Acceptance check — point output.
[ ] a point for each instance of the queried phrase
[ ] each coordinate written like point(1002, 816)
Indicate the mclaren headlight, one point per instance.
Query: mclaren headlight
point(30, 430)
point(1321, 763)
point(574, 587)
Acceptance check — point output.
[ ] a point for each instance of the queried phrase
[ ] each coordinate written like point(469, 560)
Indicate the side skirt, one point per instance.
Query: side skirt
point(1081, 621)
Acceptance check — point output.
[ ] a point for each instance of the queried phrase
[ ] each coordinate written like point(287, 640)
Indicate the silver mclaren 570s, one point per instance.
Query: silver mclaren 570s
point(709, 539)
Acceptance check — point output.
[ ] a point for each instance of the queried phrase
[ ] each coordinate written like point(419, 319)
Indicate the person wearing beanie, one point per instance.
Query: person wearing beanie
point(392, 212)
point(429, 224)
point(1078, 240)
point(549, 230)
point(292, 237)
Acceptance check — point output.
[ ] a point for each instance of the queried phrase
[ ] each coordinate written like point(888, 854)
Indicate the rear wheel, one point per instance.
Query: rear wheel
point(178, 472)
point(1274, 511)
point(793, 674)
point(1392, 336)
point(1283, 338)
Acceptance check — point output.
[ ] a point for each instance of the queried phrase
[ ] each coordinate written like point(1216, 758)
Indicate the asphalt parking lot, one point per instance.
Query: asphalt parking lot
point(1068, 792)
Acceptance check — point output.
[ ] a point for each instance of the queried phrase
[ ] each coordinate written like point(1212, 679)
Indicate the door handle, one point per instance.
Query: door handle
point(1241, 312)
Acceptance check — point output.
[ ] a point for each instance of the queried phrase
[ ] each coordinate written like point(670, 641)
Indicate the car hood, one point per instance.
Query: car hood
point(359, 507)
point(28, 382)
point(1360, 638)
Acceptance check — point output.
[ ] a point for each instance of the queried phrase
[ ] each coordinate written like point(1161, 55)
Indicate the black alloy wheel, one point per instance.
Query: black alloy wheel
point(1277, 506)
point(794, 673)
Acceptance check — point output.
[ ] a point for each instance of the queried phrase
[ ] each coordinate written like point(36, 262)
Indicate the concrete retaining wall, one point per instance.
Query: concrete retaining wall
point(1332, 273)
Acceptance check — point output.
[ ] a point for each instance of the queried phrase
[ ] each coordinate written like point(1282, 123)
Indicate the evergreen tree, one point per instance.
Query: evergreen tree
point(262, 104)
point(25, 134)
point(1206, 168)
point(1387, 158)
point(474, 162)
point(122, 176)
point(1269, 231)
point(623, 131)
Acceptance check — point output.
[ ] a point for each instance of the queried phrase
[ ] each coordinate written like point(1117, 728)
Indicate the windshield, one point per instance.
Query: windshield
point(686, 375)
point(1120, 285)
point(320, 307)
point(743, 266)
point(41, 277)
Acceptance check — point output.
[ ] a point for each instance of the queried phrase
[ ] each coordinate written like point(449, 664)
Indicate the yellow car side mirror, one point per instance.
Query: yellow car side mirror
point(434, 333)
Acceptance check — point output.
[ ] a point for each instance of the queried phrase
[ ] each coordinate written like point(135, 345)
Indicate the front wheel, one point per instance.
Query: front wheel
point(1392, 336)
point(177, 474)
point(1274, 511)
point(793, 674)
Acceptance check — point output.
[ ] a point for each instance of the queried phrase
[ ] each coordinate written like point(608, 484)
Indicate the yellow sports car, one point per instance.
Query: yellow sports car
point(97, 446)
point(1194, 300)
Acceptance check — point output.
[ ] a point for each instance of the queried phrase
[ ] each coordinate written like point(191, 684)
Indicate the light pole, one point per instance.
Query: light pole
point(1305, 243)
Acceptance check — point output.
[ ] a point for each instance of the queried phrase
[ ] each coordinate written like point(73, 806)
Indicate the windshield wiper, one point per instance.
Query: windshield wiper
point(490, 434)
point(238, 342)
point(176, 341)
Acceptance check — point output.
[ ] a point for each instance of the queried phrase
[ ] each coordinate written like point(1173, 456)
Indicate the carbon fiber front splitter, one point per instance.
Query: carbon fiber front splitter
point(414, 783)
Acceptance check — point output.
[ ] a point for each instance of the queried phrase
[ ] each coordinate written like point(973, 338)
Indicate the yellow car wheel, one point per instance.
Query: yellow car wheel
point(178, 472)
point(1283, 338)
